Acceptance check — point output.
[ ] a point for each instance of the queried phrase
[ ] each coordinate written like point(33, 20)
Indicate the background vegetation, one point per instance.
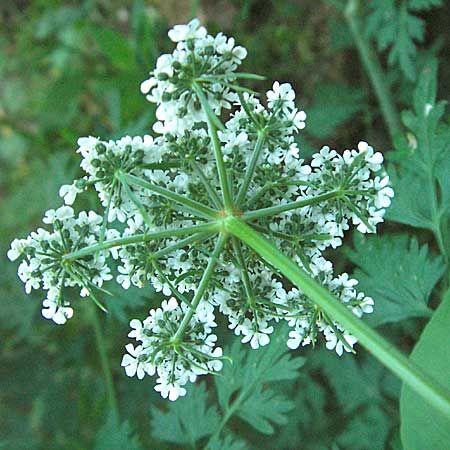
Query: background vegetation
point(72, 69)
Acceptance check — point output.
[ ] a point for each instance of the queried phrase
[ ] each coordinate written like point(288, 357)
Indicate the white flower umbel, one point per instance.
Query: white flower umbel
point(198, 58)
point(43, 264)
point(103, 162)
point(171, 194)
point(176, 361)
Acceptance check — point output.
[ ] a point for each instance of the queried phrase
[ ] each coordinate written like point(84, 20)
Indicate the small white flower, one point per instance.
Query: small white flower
point(333, 343)
point(51, 310)
point(282, 93)
point(131, 362)
point(69, 193)
point(17, 248)
point(192, 30)
point(172, 390)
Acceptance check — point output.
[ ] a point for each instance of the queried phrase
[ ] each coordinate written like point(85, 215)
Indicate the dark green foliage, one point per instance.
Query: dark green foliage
point(368, 430)
point(422, 426)
point(187, 420)
point(409, 274)
point(123, 302)
point(334, 105)
point(421, 180)
point(114, 435)
point(395, 26)
point(229, 442)
point(242, 389)
point(245, 388)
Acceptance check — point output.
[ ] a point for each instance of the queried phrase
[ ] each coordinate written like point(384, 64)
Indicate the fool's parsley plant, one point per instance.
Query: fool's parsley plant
point(219, 151)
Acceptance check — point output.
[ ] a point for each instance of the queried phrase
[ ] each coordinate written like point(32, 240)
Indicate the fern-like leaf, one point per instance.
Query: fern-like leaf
point(421, 178)
point(409, 274)
point(249, 388)
point(114, 435)
point(394, 26)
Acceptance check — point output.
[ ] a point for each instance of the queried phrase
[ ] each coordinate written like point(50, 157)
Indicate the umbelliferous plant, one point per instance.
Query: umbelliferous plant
point(219, 212)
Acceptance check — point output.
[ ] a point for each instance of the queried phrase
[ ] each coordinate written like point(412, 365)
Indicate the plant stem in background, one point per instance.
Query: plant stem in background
point(100, 342)
point(400, 365)
point(374, 70)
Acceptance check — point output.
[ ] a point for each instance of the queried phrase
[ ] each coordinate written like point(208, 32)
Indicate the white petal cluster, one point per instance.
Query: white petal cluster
point(43, 265)
point(198, 57)
point(102, 161)
point(175, 363)
point(353, 172)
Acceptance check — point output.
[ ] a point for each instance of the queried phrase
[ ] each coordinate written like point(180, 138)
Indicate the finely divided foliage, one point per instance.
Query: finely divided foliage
point(170, 195)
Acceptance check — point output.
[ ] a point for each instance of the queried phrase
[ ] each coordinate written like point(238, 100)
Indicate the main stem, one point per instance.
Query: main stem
point(400, 365)
point(104, 361)
point(374, 70)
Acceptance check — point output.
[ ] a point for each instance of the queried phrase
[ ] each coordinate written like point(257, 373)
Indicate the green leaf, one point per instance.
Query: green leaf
point(366, 430)
point(57, 19)
point(229, 442)
point(243, 389)
point(411, 204)
point(303, 429)
point(264, 407)
point(188, 419)
point(421, 426)
point(367, 377)
point(334, 104)
point(247, 388)
point(421, 179)
point(114, 435)
point(392, 25)
point(423, 5)
point(123, 301)
point(115, 47)
point(397, 273)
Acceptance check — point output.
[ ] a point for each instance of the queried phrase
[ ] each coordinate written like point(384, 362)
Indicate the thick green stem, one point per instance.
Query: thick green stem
point(374, 70)
point(400, 365)
point(250, 169)
point(210, 227)
point(192, 205)
point(207, 274)
point(275, 210)
point(104, 361)
point(212, 128)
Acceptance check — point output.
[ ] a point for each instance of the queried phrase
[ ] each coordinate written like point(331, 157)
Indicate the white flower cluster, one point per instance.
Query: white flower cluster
point(43, 264)
point(102, 161)
point(352, 173)
point(198, 58)
point(175, 362)
point(157, 188)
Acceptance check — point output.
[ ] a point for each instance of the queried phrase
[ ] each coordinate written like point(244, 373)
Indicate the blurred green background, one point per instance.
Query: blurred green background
point(71, 69)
